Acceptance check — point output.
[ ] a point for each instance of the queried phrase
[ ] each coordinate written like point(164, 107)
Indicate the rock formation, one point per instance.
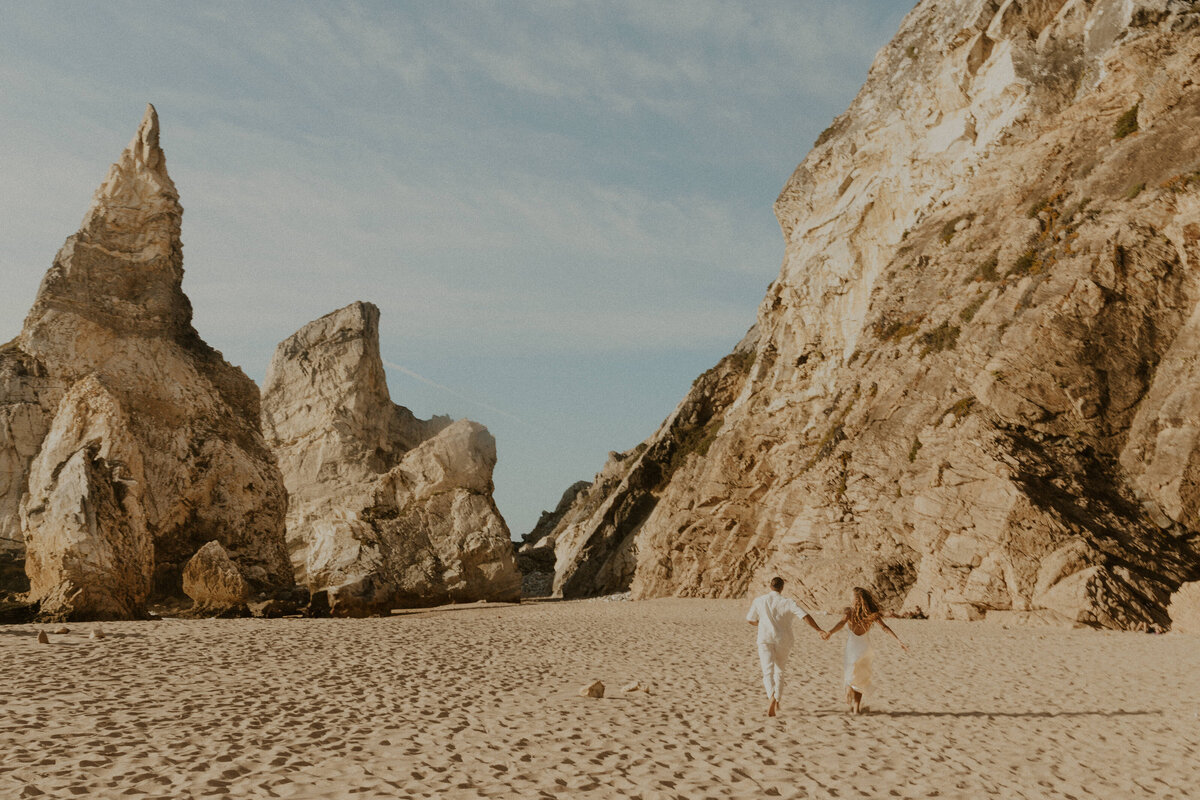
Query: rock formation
point(1185, 608)
point(972, 386)
point(214, 583)
point(126, 442)
point(545, 530)
point(385, 510)
point(535, 556)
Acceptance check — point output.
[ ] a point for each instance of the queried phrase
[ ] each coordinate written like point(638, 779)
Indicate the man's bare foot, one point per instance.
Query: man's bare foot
point(771, 709)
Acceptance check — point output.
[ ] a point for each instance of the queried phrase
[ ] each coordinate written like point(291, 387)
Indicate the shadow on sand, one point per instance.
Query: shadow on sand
point(1002, 714)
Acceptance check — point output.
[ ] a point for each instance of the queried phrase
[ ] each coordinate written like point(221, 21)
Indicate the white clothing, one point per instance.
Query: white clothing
point(857, 663)
point(773, 659)
point(774, 614)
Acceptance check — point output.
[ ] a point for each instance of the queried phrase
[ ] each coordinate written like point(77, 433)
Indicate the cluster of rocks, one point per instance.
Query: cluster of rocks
point(134, 468)
point(126, 442)
point(972, 387)
point(385, 510)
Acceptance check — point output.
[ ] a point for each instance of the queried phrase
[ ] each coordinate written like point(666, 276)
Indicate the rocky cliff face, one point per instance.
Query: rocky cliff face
point(385, 510)
point(972, 386)
point(126, 442)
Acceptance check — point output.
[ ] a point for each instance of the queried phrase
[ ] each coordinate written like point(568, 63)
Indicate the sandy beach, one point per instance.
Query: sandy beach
point(482, 701)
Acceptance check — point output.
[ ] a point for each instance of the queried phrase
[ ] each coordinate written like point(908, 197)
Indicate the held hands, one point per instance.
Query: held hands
point(825, 635)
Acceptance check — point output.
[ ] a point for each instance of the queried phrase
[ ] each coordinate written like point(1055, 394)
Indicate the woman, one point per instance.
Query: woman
point(858, 619)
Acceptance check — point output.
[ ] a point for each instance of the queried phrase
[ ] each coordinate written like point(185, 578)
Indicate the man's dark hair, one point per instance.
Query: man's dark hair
point(777, 584)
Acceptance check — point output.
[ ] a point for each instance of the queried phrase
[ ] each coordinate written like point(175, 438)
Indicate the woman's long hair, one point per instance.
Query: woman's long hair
point(863, 610)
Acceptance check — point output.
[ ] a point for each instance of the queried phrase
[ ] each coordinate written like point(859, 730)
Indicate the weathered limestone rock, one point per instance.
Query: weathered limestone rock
point(213, 582)
point(542, 535)
point(972, 386)
point(126, 442)
point(1185, 608)
point(385, 510)
point(89, 550)
point(535, 556)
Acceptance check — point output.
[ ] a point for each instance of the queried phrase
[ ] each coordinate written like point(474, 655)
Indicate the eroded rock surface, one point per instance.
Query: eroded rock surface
point(1185, 608)
point(126, 442)
point(972, 386)
point(214, 583)
point(386, 510)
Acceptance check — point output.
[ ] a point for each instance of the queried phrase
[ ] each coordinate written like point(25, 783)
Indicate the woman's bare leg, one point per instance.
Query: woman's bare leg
point(857, 701)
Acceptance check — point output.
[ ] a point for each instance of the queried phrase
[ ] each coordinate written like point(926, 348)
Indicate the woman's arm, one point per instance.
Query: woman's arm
point(883, 625)
point(841, 624)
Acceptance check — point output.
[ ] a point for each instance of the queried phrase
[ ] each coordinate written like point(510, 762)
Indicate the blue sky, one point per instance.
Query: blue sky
point(562, 209)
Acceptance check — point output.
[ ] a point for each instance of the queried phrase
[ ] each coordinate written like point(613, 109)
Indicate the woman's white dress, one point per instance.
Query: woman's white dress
point(859, 655)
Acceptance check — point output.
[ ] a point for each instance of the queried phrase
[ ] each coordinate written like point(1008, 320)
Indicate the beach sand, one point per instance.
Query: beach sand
point(482, 701)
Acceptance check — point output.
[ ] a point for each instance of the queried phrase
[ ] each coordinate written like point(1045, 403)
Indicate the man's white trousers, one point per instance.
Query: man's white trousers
point(773, 657)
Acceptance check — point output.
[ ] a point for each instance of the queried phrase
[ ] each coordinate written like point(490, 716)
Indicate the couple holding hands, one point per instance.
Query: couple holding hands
point(773, 614)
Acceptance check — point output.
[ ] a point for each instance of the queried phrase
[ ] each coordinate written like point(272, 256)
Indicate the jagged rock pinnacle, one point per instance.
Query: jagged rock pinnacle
point(124, 266)
point(136, 209)
point(144, 146)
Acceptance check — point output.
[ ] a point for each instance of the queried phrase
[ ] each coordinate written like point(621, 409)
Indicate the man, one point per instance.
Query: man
point(773, 614)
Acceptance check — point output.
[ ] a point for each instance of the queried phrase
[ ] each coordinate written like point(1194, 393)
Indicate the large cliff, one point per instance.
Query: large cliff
point(126, 442)
point(384, 510)
point(972, 386)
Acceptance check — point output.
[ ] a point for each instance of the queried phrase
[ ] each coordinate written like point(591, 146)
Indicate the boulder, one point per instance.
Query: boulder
point(972, 387)
point(89, 552)
point(385, 510)
point(126, 442)
point(1185, 608)
point(214, 583)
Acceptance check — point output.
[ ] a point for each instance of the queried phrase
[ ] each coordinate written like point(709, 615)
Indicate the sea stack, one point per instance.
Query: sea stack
point(972, 387)
point(126, 442)
point(385, 510)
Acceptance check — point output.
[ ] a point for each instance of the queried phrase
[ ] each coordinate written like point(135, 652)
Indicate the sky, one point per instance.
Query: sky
point(562, 209)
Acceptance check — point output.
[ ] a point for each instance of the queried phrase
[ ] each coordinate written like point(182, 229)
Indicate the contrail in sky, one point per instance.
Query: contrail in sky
point(448, 390)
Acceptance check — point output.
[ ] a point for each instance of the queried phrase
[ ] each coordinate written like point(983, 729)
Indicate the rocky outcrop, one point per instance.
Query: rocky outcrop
point(535, 554)
point(90, 552)
point(385, 510)
point(126, 442)
point(544, 531)
point(971, 386)
point(214, 583)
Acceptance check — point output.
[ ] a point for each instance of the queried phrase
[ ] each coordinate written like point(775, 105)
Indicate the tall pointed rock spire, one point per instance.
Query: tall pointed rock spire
point(136, 210)
point(127, 444)
point(124, 266)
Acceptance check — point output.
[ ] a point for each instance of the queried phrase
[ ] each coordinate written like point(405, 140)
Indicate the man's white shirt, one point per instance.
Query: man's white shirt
point(774, 614)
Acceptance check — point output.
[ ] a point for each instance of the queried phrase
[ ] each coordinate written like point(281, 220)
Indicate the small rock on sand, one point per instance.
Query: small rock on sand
point(636, 686)
point(43, 638)
point(96, 634)
point(593, 689)
point(63, 629)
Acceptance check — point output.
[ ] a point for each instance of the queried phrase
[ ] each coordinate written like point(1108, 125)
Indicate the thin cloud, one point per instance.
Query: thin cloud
point(442, 387)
